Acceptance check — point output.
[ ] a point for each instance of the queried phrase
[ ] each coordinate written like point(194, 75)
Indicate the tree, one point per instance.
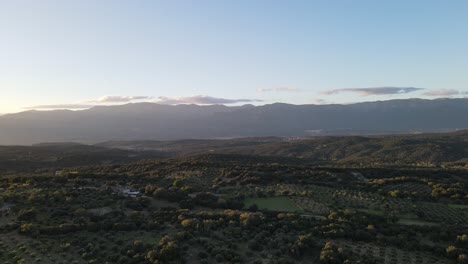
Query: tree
point(27, 215)
point(188, 223)
point(394, 194)
point(160, 193)
point(177, 183)
point(462, 258)
point(462, 240)
point(166, 252)
point(452, 251)
point(253, 208)
point(250, 219)
point(302, 245)
point(331, 254)
point(29, 229)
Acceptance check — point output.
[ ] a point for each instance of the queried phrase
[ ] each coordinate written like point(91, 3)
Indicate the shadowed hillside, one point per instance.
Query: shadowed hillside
point(59, 155)
point(405, 149)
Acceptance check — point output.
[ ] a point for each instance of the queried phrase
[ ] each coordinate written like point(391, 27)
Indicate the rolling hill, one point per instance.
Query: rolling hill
point(396, 149)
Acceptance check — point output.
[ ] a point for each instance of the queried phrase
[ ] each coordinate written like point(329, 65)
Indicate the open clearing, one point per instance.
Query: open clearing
point(458, 206)
point(280, 203)
point(406, 221)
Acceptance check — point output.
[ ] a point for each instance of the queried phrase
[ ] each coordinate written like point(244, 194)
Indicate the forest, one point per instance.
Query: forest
point(388, 199)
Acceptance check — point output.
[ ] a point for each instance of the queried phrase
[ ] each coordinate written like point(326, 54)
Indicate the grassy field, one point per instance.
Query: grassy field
point(372, 212)
point(458, 206)
point(406, 221)
point(280, 203)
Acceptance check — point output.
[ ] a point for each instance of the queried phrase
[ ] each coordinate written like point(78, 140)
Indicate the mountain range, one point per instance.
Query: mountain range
point(150, 121)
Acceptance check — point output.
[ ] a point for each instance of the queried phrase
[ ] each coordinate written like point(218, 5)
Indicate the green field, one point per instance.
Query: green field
point(458, 206)
point(280, 203)
point(406, 221)
point(372, 212)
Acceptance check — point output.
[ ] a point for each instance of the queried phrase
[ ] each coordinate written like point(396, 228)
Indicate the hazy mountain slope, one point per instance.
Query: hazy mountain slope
point(404, 149)
point(391, 149)
point(146, 121)
point(191, 146)
point(59, 155)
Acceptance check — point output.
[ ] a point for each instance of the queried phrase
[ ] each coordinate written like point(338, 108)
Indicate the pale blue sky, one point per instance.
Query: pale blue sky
point(73, 52)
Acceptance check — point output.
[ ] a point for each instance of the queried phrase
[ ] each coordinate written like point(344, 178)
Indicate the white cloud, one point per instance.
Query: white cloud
point(443, 92)
point(279, 89)
point(201, 99)
point(113, 100)
point(319, 101)
point(119, 99)
point(104, 100)
point(60, 106)
point(386, 90)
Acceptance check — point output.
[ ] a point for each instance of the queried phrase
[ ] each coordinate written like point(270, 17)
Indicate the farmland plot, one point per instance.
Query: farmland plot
point(310, 206)
point(280, 204)
point(391, 255)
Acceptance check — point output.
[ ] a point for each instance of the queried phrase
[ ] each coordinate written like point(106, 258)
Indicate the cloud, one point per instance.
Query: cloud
point(386, 90)
point(104, 100)
point(119, 99)
point(60, 106)
point(320, 101)
point(115, 100)
point(263, 90)
point(279, 89)
point(443, 92)
point(201, 99)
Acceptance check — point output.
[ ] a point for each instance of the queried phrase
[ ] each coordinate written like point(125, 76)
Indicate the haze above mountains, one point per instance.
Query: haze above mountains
point(149, 121)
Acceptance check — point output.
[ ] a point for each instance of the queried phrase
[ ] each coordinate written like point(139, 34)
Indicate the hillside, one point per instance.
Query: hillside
point(60, 155)
point(425, 149)
point(403, 149)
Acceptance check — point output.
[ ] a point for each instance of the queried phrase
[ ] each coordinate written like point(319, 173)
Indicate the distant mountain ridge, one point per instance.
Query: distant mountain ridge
point(149, 121)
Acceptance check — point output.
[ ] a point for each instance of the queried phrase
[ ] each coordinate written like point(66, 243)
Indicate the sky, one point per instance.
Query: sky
point(75, 54)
